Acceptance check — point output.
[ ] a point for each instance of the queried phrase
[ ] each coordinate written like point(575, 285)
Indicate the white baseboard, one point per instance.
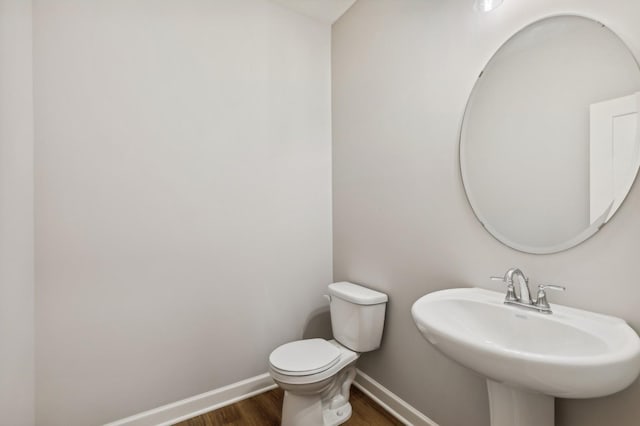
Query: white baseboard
point(391, 402)
point(191, 407)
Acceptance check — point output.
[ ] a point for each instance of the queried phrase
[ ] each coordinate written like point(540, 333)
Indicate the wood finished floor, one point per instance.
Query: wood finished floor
point(264, 410)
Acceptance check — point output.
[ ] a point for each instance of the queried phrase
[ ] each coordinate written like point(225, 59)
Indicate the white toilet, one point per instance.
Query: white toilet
point(316, 374)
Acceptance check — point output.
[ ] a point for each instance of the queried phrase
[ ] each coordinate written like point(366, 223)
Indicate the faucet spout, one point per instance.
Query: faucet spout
point(522, 298)
point(523, 284)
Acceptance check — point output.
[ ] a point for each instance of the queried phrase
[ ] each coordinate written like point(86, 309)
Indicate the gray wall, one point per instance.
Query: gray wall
point(402, 72)
point(16, 214)
point(183, 206)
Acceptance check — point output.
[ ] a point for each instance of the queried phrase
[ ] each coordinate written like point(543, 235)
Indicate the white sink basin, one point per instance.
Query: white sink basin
point(571, 353)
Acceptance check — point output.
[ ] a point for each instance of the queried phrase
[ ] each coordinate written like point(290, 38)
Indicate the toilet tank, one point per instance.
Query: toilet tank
point(357, 316)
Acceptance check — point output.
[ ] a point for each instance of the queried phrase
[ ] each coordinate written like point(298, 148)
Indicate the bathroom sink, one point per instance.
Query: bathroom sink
point(571, 353)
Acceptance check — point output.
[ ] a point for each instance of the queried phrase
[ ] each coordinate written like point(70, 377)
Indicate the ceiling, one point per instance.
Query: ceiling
point(327, 11)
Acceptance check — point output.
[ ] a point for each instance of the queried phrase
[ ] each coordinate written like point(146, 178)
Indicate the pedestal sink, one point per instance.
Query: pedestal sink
point(528, 357)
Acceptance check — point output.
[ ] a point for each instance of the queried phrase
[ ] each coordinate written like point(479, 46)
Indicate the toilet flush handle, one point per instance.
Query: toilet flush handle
point(327, 297)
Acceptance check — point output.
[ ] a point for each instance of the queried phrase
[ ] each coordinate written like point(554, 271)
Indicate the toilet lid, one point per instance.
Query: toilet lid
point(304, 357)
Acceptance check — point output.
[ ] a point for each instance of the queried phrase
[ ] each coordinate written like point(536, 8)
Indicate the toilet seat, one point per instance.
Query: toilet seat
point(345, 357)
point(304, 357)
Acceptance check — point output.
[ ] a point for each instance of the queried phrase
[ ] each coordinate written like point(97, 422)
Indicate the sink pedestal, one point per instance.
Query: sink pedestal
point(511, 406)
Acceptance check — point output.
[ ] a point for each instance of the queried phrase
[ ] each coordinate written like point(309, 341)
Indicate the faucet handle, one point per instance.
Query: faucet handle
point(511, 291)
point(551, 287)
point(541, 299)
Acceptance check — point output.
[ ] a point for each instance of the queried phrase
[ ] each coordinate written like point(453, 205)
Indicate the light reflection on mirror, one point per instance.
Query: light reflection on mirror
point(550, 141)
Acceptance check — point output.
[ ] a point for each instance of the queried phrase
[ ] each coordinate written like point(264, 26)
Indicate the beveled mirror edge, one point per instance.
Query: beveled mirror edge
point(592, 229)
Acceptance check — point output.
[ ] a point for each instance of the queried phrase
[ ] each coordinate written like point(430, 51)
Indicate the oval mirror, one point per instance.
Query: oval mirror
point(550, 140)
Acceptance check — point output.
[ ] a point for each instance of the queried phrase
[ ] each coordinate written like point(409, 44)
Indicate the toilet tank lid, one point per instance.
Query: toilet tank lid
point(356, 293)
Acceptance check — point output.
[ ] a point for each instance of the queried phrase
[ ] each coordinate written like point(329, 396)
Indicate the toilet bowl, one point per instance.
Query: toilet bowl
point(316, 374)
point(316, 390)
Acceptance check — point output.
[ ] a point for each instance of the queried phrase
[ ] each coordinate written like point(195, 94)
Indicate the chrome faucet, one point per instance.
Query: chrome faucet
point(525, 293)
point(524, 299)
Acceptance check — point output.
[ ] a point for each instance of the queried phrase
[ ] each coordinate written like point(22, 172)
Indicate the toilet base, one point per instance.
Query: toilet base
point(306, 410)
point(301, 410)
point(325, 403)
point(337, 416)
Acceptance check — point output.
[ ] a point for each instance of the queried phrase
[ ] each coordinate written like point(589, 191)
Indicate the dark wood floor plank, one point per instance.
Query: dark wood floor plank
point(367, 412)
point(265, 410)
